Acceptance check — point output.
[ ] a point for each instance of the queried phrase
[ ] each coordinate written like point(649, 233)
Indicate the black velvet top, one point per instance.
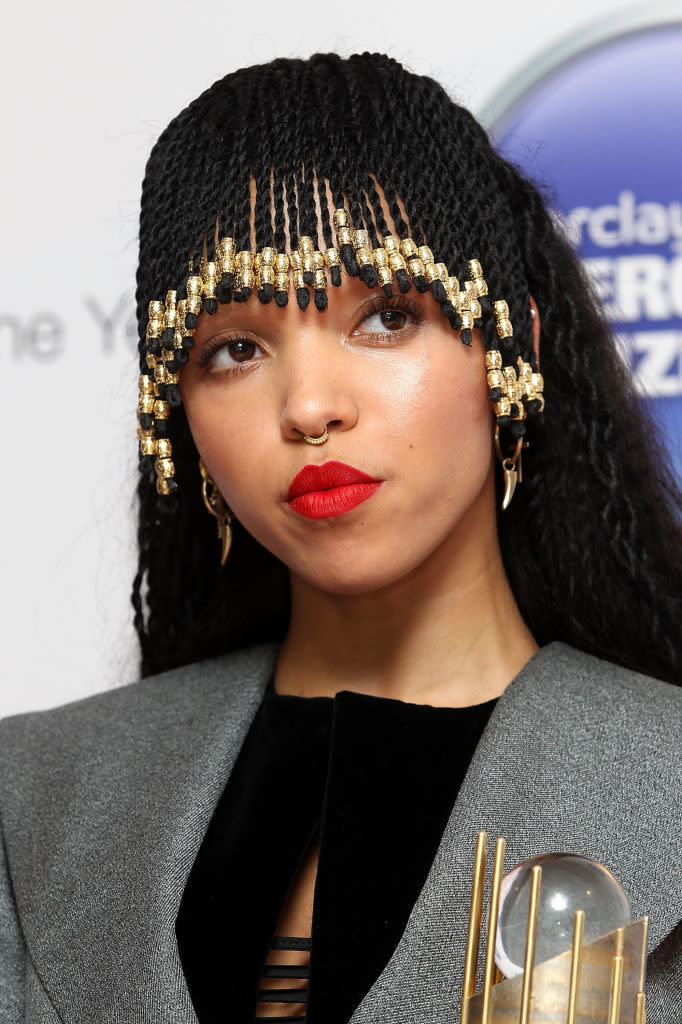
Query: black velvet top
point(376, 779)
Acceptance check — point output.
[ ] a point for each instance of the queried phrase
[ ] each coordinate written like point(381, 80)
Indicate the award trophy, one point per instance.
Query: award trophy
point(561, 947)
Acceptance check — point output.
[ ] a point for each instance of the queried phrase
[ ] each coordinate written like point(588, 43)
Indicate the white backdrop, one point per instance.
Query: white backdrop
point(87, 89)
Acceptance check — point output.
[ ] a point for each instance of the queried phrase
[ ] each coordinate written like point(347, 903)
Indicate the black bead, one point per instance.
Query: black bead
point(336, 276)
point(403, 280)
point(348, 260)
point(320, 299)
point(438, 291)
point(191, 320)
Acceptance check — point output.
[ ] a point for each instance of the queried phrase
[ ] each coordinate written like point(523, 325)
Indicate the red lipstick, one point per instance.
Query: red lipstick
point(331, 489)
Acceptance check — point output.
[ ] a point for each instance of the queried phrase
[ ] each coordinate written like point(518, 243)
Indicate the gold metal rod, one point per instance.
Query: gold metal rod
point(616, 989)
point(642, 965)
point(493, 910)
point(474, 932)
point(576, 961)
point(620, 939)
point(531, 934)
point(640, 1010)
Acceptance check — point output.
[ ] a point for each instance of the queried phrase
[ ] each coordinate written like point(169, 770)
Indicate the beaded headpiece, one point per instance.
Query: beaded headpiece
point(233, 276)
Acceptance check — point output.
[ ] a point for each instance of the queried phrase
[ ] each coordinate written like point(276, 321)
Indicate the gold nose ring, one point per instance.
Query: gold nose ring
point(317, 440)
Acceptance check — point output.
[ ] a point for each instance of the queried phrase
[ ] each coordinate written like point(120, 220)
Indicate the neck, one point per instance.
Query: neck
point(448, 634)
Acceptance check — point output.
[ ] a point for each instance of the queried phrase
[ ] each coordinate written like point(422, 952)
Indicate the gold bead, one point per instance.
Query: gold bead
point(151, 360)
point(503, 407)
point(477, 275)
point(305, 245)
point(245, 261)
point(416, 267)
point(194, 289)
point(332, 257)
point(361, 240)
point(298, 279)
point(160, 373)
point(282, 263)
point(340, 218)
point(431, 273)
point(363, 256)
point(147, 445)
point(391, 244)
point(408, 248)
point(226, 255)
point(164, 447)
point(493, 359)
point(208, 276)
point(282, 282)
point(344, 236)
point(162, 486)
point(295, 261)
point(266, 274)
point(267, 255)
point(320, 278)
point(146, 404)
point(425, 254)
point(496, 379)
point(396, 261)
point(161, 409)
point(380, 260)
point(169, 313)
point(165, 467)
point(145, 384)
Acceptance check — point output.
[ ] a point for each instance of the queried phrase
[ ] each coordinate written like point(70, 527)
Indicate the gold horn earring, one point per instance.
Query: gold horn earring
point(511, 464)
point(218, 507)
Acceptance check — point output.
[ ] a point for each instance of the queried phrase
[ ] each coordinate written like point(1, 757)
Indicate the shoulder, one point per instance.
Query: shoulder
point(605, 698)
point(158, 709)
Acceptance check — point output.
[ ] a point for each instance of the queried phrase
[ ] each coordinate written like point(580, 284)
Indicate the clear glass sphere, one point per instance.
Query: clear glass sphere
point(569, 883)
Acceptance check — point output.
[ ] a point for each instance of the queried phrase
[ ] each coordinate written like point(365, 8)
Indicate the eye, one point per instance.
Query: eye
point(384, 316)
point(221, 354)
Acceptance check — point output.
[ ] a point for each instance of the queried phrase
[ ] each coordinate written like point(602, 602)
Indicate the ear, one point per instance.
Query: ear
point(535, 317)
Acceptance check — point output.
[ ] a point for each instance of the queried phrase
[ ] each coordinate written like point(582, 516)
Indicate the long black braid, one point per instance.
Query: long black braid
point(592, 542)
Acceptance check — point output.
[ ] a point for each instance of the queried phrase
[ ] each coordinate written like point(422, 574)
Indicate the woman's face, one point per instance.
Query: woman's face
point(404, 401)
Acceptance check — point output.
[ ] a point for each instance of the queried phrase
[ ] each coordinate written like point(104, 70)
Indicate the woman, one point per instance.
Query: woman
point(435, 606)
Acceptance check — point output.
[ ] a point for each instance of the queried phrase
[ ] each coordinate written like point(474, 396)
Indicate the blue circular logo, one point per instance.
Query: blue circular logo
point(602, 131)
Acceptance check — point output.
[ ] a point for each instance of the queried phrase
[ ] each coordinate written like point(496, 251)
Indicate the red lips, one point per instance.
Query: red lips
point(319, 492)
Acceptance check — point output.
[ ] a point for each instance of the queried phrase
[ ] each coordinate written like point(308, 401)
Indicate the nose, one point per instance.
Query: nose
point(317, 387)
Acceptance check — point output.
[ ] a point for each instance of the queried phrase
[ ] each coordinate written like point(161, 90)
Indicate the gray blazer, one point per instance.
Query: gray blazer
point(104, 804)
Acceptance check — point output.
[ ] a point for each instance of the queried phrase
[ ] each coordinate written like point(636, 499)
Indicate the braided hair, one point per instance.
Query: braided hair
point(592, 542)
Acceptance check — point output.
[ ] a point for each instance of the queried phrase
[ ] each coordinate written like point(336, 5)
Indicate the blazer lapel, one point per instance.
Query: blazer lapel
point(111, 831)
point(548, 775)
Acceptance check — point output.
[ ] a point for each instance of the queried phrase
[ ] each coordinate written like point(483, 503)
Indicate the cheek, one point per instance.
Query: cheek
point(442, 409)
point(225, 438)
